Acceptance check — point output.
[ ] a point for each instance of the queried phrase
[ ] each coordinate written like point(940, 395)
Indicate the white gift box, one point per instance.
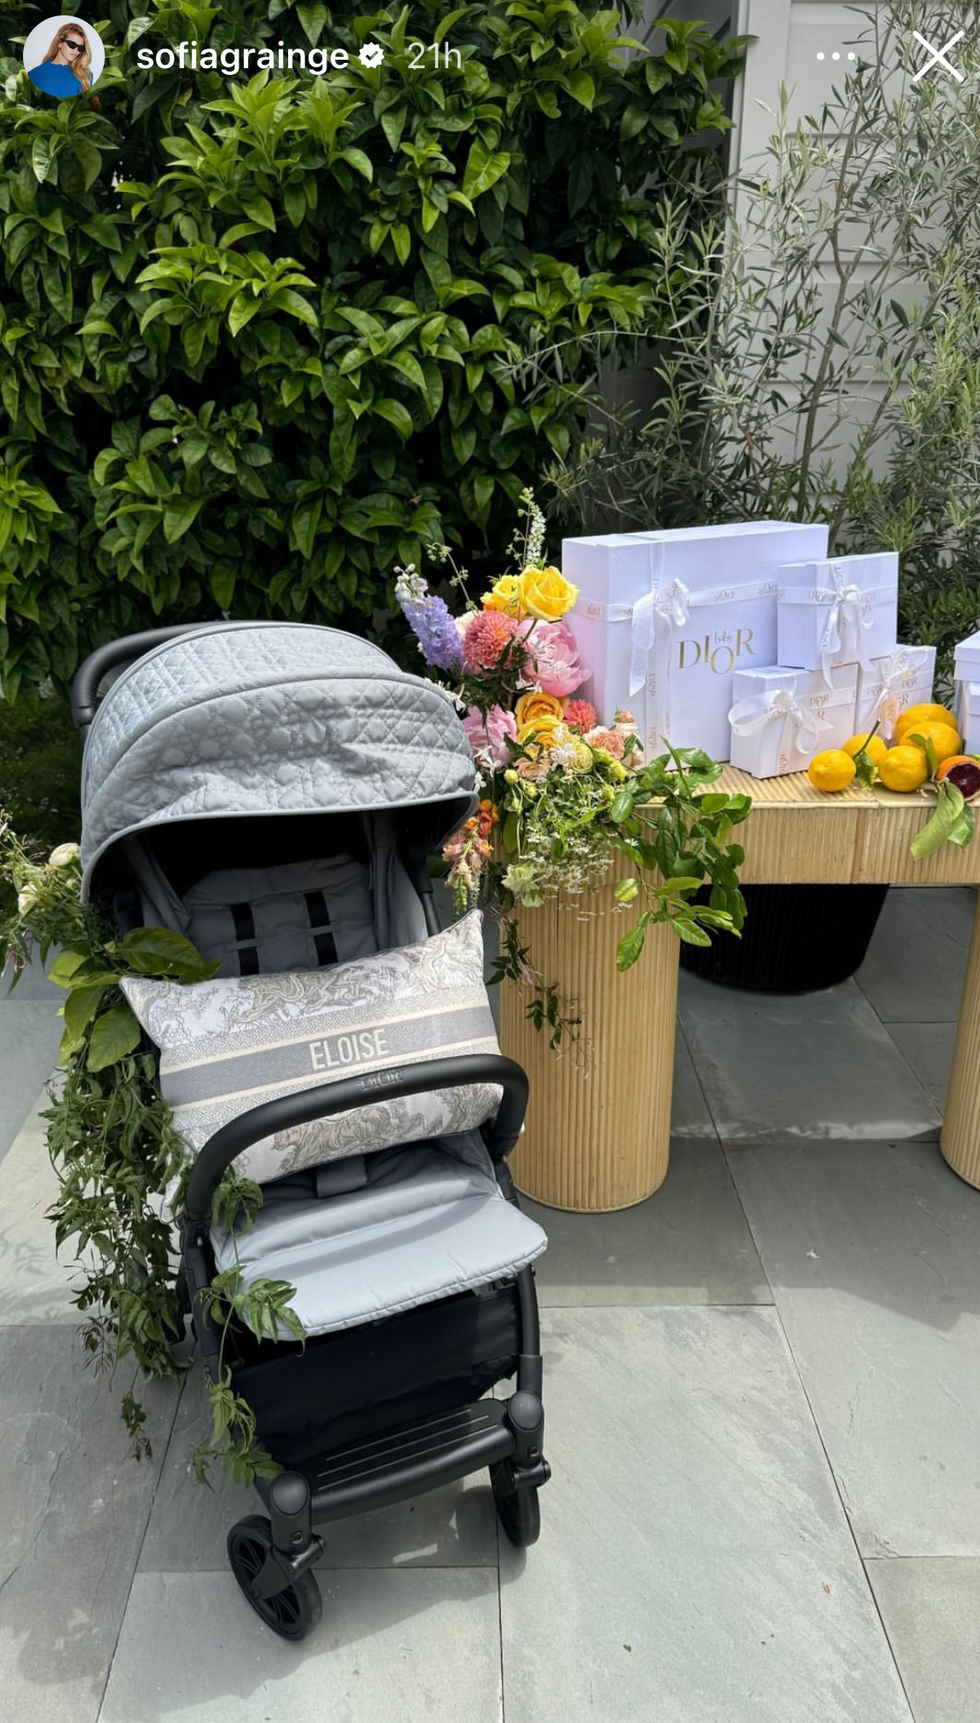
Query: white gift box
point(900, 678)
point(968, 714)
point(839, 610)
point(664, 619)
point(966, 669)
point(781, 717)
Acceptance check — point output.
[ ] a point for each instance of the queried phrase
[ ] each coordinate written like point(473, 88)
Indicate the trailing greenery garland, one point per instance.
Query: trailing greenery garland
point(121, 1163)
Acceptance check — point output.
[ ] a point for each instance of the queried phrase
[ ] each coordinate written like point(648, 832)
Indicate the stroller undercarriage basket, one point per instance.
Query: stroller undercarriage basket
point(272, 791)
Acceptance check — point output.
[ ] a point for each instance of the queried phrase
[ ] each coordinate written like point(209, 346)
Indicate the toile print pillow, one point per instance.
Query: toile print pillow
point(227, 1045)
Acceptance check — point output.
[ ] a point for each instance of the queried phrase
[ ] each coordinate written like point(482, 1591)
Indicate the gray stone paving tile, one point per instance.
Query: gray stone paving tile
point(73, 1507)
point(33, 983)
point(930, 1608)
point(873, 1254)
point(914, 969)
point(928, 1047)
point(35, 1282)
point(690, 1115)
point(694, 1563)
point(419, 1647)
point(30, 1033)
point(776, 1068)
point(454, 1527)
point(687, 1244)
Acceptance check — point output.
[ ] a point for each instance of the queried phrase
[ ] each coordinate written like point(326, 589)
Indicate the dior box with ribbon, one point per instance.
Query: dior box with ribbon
point(781, 717)
point(902, 677)
point(842, 610)
point(967, 672)
point(665, 618)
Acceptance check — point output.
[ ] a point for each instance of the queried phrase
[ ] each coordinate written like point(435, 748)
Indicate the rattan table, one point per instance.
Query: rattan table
point(598, 1124)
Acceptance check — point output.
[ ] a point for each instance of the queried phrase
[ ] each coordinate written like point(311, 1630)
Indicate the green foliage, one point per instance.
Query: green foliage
point(663, 818)
point(40, 768)
point(262, 338)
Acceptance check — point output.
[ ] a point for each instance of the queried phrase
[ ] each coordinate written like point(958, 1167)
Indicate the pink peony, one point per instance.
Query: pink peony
point(555, 659)
point(487, 739)
point(579, 715)
point(487, 638)
point(610, 740)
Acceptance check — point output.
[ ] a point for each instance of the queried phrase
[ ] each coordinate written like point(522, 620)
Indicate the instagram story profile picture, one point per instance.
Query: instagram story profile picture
point(63, 56)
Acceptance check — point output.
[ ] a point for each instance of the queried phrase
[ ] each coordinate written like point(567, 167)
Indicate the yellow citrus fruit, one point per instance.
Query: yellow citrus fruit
point(913, 716)
point(903, 768)
point(875, 748)
point(943, 738)
point(831, 770)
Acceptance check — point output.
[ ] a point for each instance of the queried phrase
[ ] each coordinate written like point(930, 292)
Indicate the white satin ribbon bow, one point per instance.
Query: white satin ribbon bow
point(747, 717)
point(894, 670)
point(849, 608)
point(671, 604)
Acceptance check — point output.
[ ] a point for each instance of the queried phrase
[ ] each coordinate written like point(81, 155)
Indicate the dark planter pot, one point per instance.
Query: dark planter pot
point(796, 939)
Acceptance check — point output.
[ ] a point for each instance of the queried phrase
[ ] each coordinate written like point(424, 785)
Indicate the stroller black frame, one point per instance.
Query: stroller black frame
point(272, 1557)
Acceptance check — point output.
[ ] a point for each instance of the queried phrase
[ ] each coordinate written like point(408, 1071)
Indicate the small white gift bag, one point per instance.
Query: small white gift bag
point(841, 610)
point(901, 678)
point(782, 717)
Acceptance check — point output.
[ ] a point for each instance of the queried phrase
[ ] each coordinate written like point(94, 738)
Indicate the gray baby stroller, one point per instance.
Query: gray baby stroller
point(273, 793)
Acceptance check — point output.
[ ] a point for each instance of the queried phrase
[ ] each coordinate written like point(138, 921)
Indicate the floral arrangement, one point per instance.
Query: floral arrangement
point(562, 795)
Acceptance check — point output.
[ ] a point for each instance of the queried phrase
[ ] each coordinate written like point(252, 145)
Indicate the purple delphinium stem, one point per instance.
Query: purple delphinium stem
point(431, 622)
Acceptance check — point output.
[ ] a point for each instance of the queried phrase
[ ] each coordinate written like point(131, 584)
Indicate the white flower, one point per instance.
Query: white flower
point(26, 899)
point(65, 855)
point(463, 622)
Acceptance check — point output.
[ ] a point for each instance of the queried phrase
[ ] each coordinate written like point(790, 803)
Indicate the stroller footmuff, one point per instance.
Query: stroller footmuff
point(272, 792)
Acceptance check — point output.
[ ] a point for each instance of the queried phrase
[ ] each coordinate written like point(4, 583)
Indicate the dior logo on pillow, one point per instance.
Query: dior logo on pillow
point(228, 1044)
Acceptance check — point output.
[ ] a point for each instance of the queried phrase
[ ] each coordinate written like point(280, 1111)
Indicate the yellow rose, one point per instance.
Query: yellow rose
point(541, 733)
point(546, 594)
point(505, 595)
point(535, 705)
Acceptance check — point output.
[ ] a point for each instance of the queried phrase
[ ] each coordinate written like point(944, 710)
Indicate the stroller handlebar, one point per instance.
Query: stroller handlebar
point(326, 1100)
point(96, 667)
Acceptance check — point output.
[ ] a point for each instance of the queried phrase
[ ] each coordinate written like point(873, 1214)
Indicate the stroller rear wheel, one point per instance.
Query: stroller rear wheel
point(519, 1511)
point(292, 1612)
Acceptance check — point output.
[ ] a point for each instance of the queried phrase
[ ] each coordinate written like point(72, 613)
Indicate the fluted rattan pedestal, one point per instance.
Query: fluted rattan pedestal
point(598, 1127)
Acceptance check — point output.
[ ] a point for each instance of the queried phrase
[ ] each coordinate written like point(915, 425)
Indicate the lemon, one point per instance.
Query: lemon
point(913, 716)
point(942, 736)
point(873, 746)
point(903, 768)
point(831, 770)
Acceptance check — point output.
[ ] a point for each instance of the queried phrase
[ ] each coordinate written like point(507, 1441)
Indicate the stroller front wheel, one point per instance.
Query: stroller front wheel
point(292, 1612)
point(519, 1511)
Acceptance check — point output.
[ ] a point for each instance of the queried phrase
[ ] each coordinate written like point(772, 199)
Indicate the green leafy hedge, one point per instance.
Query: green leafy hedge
point(260, 339)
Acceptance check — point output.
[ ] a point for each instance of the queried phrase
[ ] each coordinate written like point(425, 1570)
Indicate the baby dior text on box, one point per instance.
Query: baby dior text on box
point(781, 717)
point(664, 619)
point(837, 610)
point(901, 678)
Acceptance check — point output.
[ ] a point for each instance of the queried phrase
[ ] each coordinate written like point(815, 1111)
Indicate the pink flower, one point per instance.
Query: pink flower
point(579, 715)
point(487, 738)
point(554, 656)
point(610, 740)
point(486, 639)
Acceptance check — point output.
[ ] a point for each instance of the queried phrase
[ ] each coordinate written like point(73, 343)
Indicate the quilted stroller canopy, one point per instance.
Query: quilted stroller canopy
point(268, 718)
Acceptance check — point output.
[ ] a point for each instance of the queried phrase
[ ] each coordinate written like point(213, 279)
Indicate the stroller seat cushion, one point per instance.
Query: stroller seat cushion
point(431, 1221)
point(229, 1044)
